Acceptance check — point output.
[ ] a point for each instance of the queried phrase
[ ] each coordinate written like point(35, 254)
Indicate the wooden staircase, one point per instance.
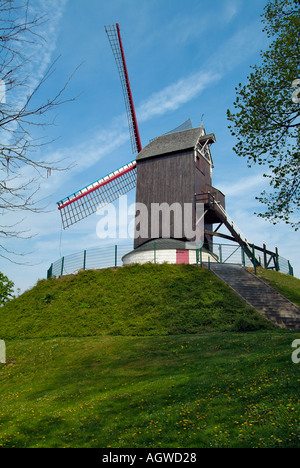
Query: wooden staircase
point(215, 213)
point(270, 303)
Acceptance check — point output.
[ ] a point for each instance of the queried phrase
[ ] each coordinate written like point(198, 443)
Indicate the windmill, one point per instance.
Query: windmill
point(175, 167)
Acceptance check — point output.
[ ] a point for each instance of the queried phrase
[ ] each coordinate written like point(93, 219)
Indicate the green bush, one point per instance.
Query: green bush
point(249, 324)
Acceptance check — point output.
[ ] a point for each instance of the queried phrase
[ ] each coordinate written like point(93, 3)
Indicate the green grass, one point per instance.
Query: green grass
point(210, 390)
point(136, 300)
point(287, 285)
point(145, 356)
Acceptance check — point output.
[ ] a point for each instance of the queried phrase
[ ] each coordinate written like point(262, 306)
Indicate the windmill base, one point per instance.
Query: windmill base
point(168, 251)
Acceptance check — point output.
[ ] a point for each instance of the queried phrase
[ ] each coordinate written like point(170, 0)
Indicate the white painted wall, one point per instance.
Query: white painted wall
point(162, 256)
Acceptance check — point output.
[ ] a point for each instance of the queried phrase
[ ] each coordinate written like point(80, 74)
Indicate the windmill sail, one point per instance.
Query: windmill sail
point(114, 36)
point(95, 196)
point(187, 125)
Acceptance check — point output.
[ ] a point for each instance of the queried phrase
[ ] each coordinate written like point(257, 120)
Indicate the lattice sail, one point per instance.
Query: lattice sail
point(114, 36)
point(187, 125)
point(95, 196)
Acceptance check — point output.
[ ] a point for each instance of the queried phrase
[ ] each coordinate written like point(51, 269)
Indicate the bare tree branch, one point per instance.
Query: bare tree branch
point(22, 112)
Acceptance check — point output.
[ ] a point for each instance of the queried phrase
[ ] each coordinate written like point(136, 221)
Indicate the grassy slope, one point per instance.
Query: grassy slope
point(209, 390)
point(135, 300)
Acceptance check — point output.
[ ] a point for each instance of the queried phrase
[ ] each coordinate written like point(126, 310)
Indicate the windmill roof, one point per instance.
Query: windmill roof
point(174, 142)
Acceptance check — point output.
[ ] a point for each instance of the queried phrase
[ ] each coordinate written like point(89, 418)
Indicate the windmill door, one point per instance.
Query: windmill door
point(182, 256)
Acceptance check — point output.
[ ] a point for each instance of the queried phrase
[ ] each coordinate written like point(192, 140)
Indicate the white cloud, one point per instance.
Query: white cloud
point(231, 9)
point(175, 95)
point(39, 51)
point(236, 50)
point(243, 185)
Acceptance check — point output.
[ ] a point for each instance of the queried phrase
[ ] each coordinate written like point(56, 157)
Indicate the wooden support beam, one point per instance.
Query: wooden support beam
point(218, 227)
point(218, 234)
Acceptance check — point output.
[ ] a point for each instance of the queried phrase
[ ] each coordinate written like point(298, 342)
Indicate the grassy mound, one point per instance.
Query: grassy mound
point(134, 301)
point(65, 384)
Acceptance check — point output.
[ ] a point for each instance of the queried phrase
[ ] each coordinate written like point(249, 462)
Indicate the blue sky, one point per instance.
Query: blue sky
point(184, 60)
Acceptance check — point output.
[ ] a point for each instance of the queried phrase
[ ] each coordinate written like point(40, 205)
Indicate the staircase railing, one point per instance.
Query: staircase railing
point(249, 249)
point(208, 198)
point(233, 224)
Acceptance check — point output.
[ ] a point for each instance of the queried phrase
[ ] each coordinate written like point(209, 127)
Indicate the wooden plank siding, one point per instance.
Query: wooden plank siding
point(168, 178)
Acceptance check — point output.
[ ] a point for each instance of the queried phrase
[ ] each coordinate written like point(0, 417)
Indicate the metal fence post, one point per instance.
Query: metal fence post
point(253, 258)
point(220, 252)
point(154, 252)
point(84, 260)
point(62, 266)
point(291, 270)
point(116, 256)
point(201, 261)
point(49, 272)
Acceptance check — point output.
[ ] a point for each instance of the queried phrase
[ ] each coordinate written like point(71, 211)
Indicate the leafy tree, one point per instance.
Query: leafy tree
point(267, 110)
point(6, 289)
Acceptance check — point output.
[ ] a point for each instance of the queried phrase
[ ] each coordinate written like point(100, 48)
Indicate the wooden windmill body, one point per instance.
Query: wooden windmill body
point(174, 168)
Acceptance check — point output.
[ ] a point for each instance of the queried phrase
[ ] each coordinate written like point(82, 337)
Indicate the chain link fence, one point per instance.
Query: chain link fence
point(97, 258)
point(235, 254)
point(111, 256)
